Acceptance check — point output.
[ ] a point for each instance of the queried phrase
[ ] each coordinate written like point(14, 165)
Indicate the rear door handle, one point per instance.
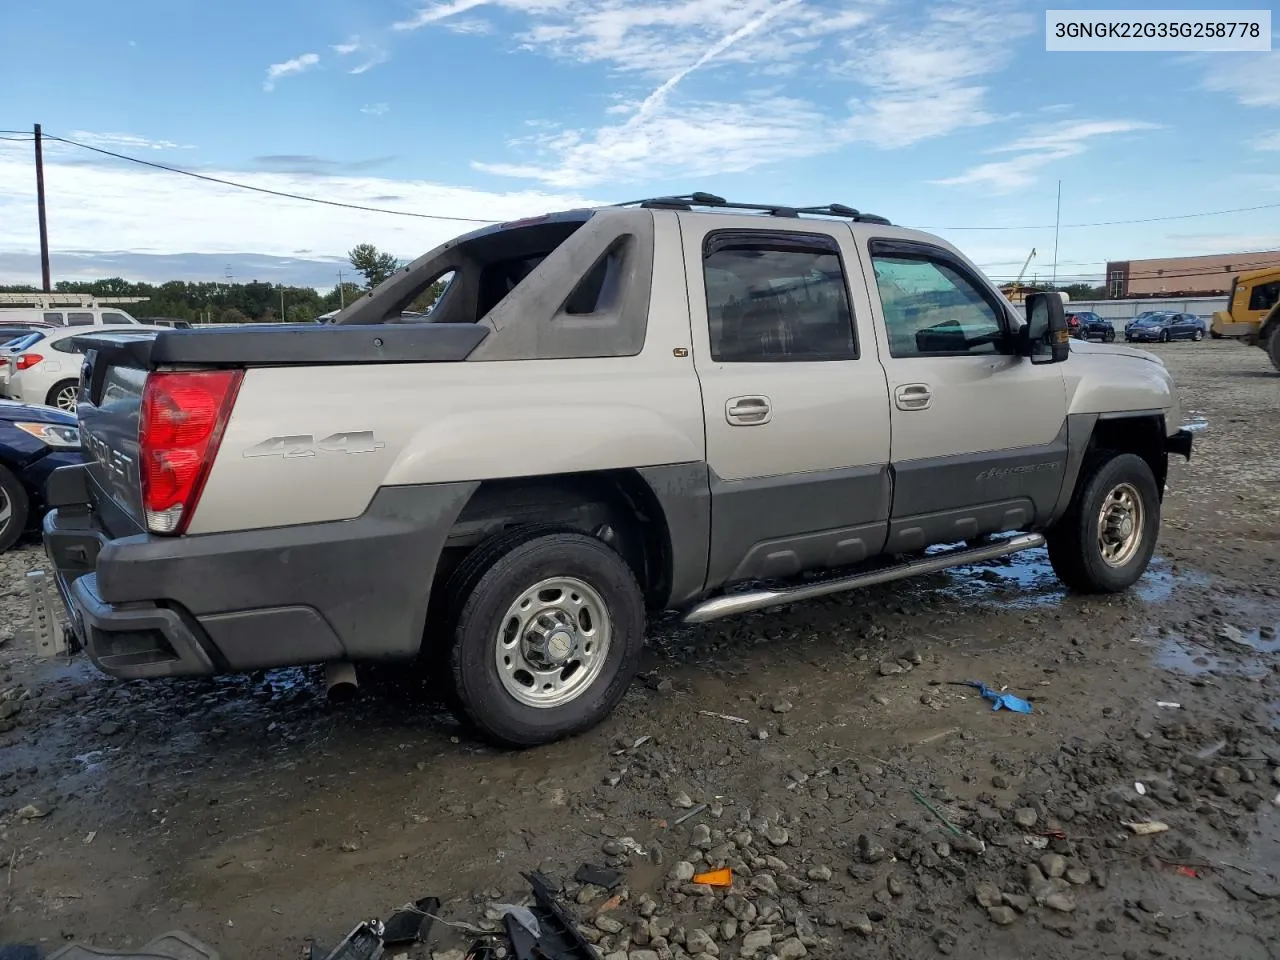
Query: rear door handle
point(748, 411)
point(913, 396)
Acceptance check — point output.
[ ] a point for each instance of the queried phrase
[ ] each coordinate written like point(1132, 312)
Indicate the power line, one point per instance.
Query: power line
point(274, 193)
point(429, 216)
point(27, 139)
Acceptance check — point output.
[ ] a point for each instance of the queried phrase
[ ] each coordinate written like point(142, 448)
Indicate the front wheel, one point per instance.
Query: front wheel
point(1105, 540)
point(1164, 336)
point(13, 509)
point(63, 395)
point(1273, 348)
point(1109, 337)
point(547, 636)
point(1197, 335)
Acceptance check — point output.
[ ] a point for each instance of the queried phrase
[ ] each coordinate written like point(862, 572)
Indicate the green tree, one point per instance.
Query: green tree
point(372, 263)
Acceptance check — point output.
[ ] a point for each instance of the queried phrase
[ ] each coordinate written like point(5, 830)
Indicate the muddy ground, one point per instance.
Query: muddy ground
point(256, 815)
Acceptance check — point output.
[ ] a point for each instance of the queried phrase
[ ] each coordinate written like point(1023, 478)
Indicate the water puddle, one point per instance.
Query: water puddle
point(1227, 650)
point(1195, 422)
point(1026, 580)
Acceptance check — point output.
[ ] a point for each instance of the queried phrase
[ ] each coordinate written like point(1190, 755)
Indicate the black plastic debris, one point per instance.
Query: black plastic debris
point(364, 942)
point(410, 924)
point(175, 945)
point(598, 876)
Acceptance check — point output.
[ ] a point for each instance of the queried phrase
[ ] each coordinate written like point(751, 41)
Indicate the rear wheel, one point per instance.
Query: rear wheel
point(13, 509)
point(1106, 538)
point(547, 630)
point(63, 395)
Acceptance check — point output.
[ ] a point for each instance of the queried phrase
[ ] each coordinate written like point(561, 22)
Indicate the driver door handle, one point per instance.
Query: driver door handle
point(913, 396)
point(748, 411)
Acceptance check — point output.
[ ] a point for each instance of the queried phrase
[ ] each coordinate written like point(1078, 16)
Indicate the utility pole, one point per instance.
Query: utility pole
point(45, 284)
point(342, 299)
point(1057, 222)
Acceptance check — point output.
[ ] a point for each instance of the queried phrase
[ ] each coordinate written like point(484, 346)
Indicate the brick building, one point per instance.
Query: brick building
point(1182, 276)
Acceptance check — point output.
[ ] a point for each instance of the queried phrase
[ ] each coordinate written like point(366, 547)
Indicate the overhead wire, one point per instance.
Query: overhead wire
point(481, 220)
point(275, 193)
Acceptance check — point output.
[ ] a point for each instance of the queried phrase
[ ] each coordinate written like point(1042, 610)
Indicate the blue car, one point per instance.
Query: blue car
point(34, 441)
point(1165, 326)
point(1085, 325)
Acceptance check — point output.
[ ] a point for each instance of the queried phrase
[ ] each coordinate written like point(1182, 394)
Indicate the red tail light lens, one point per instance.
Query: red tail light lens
point(181, 423)
point(27, 360)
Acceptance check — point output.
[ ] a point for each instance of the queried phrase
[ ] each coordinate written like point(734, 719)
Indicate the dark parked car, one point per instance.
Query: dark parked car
point(1085, 325)
point(1165, 327)
point(34, 441)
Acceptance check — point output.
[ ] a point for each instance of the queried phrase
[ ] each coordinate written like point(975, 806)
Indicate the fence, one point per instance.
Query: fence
point(1127, 309)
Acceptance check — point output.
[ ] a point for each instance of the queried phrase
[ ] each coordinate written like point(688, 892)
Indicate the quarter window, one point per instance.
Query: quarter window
point(931, 309)
point(79, 319)
point(55, 319)
point(777, 297)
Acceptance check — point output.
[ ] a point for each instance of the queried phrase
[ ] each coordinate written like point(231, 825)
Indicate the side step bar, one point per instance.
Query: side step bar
point(736, 603)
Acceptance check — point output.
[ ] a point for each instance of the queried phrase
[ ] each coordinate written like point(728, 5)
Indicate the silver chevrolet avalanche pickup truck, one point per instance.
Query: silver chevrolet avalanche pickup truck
point(679, 404)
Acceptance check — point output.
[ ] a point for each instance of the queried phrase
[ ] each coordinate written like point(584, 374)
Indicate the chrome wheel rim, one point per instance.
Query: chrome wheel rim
point(553, 642)
point(6, 511)
point(1120, 524)
point(65, 399)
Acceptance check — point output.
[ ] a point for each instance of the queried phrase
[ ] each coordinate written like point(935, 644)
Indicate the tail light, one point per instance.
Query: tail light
point(179, 430)
point(26, 361)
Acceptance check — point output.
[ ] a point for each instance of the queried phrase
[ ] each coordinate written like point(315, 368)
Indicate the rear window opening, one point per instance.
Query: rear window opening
point(466, 282)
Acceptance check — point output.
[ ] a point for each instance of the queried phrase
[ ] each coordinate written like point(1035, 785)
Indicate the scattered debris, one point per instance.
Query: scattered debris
point(999, 700)
point(715, 878)
point(598, 876)
point(1169, 704)
point(724, 716)
point(1145, 828)
point(690, 815)
point(175, 945)
point(411, 923)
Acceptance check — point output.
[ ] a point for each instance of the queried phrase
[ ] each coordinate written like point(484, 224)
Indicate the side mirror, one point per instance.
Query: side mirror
point(1044, 336)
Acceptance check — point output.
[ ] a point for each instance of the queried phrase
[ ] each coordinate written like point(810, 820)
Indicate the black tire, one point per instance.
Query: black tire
point(1197, 335)
point(51, 399)
point(1273, 348)
point(1074, 548)
point(1109, 336)
point(14, 508)
point(1164, 336)
point(487, 583)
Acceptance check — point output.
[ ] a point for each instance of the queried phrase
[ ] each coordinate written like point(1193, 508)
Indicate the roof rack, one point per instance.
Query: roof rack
point(691, 200)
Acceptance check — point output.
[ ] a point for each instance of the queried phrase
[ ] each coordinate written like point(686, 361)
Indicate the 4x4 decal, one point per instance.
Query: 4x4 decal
point(305, 445)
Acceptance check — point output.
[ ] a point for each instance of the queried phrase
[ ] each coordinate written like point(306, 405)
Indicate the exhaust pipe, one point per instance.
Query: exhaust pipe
point(340, 681)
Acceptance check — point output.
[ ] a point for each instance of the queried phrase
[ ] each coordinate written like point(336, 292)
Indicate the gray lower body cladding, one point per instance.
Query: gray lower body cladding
point(354, 589)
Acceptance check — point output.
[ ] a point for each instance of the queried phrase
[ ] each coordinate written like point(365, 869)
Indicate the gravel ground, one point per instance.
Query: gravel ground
point(257, 815)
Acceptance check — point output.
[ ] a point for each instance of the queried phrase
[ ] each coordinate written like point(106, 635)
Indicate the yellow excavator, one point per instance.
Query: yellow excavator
point(1253, 312)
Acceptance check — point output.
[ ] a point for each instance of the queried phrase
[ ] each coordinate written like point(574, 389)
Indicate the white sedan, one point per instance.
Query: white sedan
point(44, 366)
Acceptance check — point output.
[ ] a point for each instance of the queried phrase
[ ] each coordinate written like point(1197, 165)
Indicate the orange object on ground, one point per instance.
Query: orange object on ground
point(715, 878)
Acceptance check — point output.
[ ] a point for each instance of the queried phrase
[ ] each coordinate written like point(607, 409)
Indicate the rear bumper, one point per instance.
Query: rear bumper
point(145, 606)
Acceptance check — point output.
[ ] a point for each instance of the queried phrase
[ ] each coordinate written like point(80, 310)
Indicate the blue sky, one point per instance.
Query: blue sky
point(936, 115)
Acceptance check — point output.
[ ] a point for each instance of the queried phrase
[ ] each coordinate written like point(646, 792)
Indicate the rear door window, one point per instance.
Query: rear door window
point(56, 319)
point(79, 319)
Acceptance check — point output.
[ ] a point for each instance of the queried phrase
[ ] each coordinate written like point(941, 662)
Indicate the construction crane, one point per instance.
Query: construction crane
point(1026, 263)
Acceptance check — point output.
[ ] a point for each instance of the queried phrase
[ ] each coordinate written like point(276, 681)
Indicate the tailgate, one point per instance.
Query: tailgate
point(110, 399)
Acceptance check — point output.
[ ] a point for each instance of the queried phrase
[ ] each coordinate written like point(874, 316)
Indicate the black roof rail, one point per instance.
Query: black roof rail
point(691, 200)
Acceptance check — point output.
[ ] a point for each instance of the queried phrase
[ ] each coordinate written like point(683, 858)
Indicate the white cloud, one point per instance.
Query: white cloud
point(905, 80)
point(297, 65)
point(375, 109)
point(1270, 141)
point(129, 141)
point(351, 46)
point(1252, 78)
point(1039, 149)
point(436, 12)
point(118, 207)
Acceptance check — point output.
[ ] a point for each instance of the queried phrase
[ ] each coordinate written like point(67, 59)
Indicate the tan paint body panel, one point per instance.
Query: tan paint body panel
point(478, 420)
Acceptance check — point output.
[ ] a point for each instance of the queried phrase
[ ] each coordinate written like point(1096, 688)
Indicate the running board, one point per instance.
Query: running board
point(728, 606)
